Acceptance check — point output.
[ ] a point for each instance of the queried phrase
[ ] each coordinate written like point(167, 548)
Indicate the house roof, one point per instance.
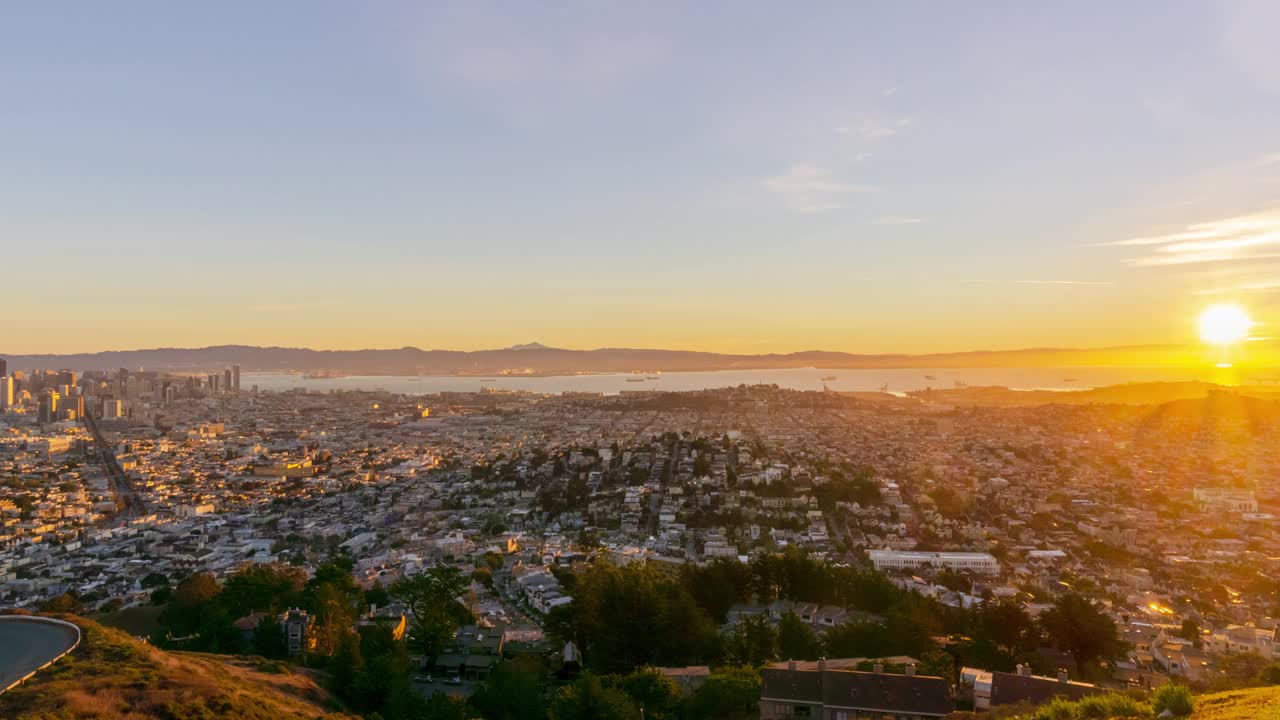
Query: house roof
point(1009, 688)
point(881, 692)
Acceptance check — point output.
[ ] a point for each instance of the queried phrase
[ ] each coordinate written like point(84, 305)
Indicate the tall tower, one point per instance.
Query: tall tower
point(4, 367)
point(6, 391)
point(235, 378)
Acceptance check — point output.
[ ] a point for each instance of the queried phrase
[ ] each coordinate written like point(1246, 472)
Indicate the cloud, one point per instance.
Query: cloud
point(295, 306)
point(897, 220)
point(872, 130)
point(1062, 282)
point(1245, 237)
point(1265, 286)
point(809, 188)
point(1268, 160)
point(1087, 283)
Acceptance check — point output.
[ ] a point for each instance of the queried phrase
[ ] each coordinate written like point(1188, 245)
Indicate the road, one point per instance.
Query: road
point(27, 644)
point(127, 498)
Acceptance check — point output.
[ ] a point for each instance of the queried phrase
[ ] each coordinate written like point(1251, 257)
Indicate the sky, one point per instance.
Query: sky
point(725, 176)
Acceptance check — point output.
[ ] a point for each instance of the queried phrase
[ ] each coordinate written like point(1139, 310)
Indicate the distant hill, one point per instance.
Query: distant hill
point(111, 676)
point(540, 359)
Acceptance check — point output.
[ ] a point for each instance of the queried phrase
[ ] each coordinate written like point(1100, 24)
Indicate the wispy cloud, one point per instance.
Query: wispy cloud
point(1245, 237)
point(873, 129)
point(1087, 283)
point(1268, 160)
point(898, 220)
point(1264, 286)
point(1062, 282)
point(295, 306)
point(809, 188)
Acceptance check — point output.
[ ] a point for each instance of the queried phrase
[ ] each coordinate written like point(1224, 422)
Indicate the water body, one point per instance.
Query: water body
point(894, 380)
point(27, 644)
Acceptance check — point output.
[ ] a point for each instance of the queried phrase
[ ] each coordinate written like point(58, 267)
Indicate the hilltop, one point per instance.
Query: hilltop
point(113, 676)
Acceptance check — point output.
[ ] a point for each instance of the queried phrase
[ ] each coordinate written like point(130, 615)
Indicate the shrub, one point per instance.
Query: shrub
point(1174, 698)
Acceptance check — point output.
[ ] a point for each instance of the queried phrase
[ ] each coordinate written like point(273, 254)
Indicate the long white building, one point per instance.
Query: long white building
point(982, 563)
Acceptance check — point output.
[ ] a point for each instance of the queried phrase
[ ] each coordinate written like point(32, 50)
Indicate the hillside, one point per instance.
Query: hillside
point(1252, 704)
point(540, 359)
point(112, 676)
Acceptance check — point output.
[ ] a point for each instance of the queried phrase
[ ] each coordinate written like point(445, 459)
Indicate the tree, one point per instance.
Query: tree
point(431, 598)
point(1173, 697)
point(625, 617)
point(732, 694)
point(442, 707)
point(512, 692)
point(752, 641)
point(1073, 624)
point(657, 695)
point(588, 699)
point(154, 580)
point(334, 615)
point(1270, 675)
point(1190, 630)
point(796, 640)
point(263, 588)
point(64, 603)
point(188, 604)
point(269, 640)
point(347, 667)
point(377, 596)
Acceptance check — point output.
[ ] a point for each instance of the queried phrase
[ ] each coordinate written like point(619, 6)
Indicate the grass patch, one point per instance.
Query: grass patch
point(111, 676)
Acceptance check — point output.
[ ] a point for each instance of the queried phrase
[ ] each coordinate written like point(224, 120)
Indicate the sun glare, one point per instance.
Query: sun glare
point(1224, 324)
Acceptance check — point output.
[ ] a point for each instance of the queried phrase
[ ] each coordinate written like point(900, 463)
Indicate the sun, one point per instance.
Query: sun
point(1224, 324)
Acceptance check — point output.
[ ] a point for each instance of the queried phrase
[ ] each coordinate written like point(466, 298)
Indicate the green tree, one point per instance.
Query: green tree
point(431, 598)
point(658, 695)
point(377, 596)
point(588, 699)
point(732, 694)
point(1074, 625)
point(262, 588)
point(153, 580)
point(347, 669)
point(796, 640)
point(514, 691)
point(1190, 630)
point(1173, 697)
point(626, 617)
point(183, 614)
point(269, 640)
point(751, 641)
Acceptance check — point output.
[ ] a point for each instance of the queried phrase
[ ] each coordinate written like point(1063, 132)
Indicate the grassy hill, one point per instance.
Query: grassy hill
point(1252, 704)
point(112, 676)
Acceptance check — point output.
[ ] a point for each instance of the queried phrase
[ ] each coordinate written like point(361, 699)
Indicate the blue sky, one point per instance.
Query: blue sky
point(728, 176)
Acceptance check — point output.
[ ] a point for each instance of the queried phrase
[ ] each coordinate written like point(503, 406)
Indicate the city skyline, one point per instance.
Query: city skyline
point(453, 176)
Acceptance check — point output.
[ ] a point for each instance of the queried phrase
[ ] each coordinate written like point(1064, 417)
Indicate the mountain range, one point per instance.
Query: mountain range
point(535, 358)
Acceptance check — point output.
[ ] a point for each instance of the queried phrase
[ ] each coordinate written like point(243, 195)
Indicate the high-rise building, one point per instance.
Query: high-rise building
point(48, 411)
point(235, 378)
point(6, 392)
point(226, 380)
point(112, 408)
point(4, 367)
